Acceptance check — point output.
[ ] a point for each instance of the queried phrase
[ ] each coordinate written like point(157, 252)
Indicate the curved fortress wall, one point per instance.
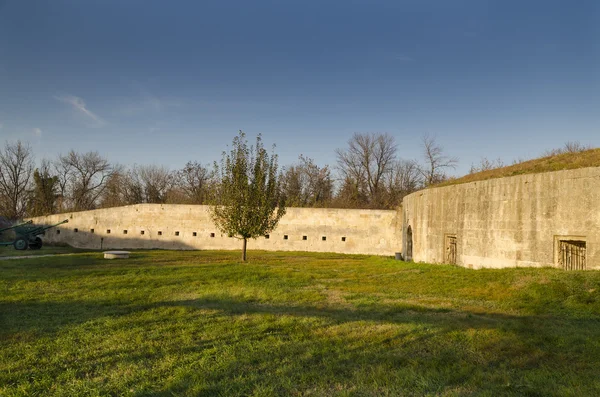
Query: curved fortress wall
point(548, 219)
point(172, 226)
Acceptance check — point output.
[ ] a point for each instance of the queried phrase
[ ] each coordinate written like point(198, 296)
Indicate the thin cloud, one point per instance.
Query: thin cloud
point(37, 132)
point(147, 103)
point(79, 105)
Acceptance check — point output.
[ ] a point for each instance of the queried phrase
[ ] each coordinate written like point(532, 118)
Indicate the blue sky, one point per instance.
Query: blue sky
point(166, 82)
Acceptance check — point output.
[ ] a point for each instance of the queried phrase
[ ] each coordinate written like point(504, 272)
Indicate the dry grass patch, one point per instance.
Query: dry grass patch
point(564, 161)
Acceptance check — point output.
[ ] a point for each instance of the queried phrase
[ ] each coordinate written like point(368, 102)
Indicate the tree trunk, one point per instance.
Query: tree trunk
point(244, 250)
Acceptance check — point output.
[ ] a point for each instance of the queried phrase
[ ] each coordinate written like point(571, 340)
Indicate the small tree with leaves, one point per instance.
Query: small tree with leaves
point(44, 193)
point(249, 201)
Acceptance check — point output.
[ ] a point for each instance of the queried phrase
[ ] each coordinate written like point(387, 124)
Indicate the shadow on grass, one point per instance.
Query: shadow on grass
point(340, 349)
point(434, 350)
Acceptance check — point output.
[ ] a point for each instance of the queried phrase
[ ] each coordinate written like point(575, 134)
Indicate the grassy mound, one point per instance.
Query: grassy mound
point(563, 161)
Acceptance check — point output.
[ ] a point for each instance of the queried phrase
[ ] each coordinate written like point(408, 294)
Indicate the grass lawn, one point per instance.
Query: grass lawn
point(200, 323)
point(8, 251)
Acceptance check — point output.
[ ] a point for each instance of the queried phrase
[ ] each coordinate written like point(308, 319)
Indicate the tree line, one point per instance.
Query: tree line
point(367, 174)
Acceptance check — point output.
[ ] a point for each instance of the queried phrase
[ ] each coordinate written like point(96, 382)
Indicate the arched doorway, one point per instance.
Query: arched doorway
point(409, 245)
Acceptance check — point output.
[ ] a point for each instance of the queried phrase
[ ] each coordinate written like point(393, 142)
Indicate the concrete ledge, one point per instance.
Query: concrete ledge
point(116, 254)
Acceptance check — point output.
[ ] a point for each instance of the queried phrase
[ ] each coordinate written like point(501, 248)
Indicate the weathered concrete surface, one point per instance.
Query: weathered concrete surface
point(173, 227)
point(116, 254)
point(507, 222)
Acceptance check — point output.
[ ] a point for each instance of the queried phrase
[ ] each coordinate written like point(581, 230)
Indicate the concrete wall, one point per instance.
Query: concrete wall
point(507, 222)
point(173, 227)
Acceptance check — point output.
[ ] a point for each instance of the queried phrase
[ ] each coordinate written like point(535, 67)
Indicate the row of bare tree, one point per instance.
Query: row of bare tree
point(372, 176)
point(369, 175)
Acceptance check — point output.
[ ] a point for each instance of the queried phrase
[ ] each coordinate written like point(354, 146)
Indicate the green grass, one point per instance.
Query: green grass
point(9, 251)
point(201, 323)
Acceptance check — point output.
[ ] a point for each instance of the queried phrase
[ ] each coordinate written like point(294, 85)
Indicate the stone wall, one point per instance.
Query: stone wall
point(524, 220)
point(190, 227)
point(517, 221)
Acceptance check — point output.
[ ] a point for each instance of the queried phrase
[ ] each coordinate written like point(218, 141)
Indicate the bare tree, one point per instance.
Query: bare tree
point(485, 165)
point(16, 170)
point(196, 182)
point(307, 185)
point(403, 179)
point(156, 182)
point(367, 160)
point(293, 186)
point(319, 188)
point(350, 195)
point(82, 178)
point(569, 147)
point(62, 170)
point(133, 187)
point(436, 162)
point(114, 193)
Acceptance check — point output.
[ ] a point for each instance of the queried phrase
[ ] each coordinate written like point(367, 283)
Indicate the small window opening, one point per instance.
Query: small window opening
point(304, 237)
point(194, 234)
point(324, 238)
point(212, 235)
point(107, 231)
point(75, 230)
point(267, 236)
point(285, 236)
point(160, 233)
point(343, 238)
point(177, 233)
point(124, 231)
point(92, 231)
point(57, 231)
point(142, 232)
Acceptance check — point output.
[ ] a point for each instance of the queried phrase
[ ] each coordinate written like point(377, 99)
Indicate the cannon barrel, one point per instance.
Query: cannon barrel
point(35, 230)
point(56, 224)
point(15, 226)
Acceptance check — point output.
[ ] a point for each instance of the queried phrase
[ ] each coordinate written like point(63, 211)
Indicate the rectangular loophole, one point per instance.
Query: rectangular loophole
point(572, 254)
point(159, 233)
point(142, 232)
point(177, 233)
point(194, 234)
point(304, 237)
point(57, 231)
point(267, 236)
point(92, 231)
point(76, 230)
point(285, 236)
point(343, 238)
point(124, 231)
point(450, 249)
point(212, 235)
point(107, 231)
point(324, 238)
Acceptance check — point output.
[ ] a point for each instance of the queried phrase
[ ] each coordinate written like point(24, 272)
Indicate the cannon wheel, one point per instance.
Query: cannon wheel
point(21, 244)
point(37, 244)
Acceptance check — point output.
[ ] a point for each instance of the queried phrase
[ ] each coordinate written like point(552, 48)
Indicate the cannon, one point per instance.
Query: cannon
point(28, 235)
point(14, 226)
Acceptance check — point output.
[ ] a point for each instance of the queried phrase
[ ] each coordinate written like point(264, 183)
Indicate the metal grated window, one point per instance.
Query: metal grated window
point(572, 254)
